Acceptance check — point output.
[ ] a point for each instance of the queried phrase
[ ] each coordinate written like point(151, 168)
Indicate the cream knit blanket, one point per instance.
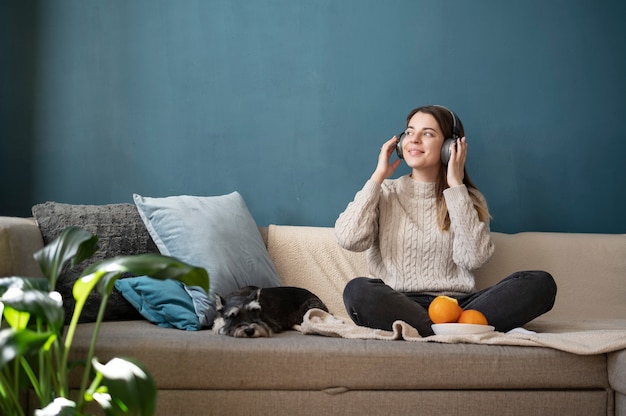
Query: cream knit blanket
point(589, 342)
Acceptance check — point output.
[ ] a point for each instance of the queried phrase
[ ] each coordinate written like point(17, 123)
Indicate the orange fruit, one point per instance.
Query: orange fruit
point(472, 316)
point(444, 309)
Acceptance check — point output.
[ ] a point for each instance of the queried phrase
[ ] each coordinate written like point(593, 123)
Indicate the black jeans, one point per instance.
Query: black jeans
point(509, 304)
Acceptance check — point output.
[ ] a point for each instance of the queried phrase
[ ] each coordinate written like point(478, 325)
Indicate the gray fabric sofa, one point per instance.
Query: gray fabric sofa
point(201, 373)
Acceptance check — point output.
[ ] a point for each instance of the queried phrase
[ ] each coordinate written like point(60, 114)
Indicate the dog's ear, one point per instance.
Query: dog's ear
point(252, 300)
point(219, 302)
point(254, 295)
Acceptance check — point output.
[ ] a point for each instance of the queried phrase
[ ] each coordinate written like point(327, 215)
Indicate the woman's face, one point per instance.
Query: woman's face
point(421, 146)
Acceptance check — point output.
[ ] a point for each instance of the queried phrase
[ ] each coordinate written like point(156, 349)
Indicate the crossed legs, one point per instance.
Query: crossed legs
point(511, 303)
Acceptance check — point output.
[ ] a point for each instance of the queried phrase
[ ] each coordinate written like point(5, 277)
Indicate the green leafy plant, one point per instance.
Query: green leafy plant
point(35, 344)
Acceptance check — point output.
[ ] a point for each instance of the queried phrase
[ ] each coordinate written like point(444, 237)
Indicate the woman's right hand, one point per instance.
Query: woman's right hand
point(384, 169)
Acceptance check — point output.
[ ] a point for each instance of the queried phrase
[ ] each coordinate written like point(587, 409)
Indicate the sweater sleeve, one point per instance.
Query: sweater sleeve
point(357, 227)
point(472, 246)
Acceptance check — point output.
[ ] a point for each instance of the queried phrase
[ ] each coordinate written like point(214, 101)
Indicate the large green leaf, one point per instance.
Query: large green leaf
point(59, 407)
point(156, 266)
point(122, 385)
point(73, 244)
point(18, 343)
point(36, 303)
point(105, 273)
point(16, 319)
point(130, 390)
point(23, 283)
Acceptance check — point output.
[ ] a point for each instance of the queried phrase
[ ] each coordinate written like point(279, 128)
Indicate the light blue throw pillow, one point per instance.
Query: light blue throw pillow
point(162, 302)
point(214, 232)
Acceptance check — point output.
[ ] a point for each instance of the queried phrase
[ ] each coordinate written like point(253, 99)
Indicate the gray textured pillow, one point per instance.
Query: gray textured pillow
point(120, 231)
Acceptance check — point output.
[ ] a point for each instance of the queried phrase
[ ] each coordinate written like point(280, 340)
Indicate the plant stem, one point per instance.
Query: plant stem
point(78, 309)
point(33, 380)
point(16, 374)
point(44, 389)
point(92, 349)
point(10, 400)
point(56, 350)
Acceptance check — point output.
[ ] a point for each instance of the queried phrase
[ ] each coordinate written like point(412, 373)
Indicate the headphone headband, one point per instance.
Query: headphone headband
point(455, 123)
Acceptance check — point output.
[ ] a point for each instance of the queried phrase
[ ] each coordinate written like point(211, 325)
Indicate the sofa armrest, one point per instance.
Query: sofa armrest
point(20, 238)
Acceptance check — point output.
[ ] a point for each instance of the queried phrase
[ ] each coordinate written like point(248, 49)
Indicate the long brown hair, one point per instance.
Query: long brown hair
point(445, 120)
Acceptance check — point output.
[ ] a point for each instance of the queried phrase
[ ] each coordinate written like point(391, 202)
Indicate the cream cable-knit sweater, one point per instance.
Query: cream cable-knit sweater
point(396, 223)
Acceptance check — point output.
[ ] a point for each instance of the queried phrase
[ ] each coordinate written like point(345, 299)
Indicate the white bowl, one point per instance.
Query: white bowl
point(461, 329)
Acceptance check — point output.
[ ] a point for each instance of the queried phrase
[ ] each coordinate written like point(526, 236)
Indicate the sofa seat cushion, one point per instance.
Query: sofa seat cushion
point(291, 361)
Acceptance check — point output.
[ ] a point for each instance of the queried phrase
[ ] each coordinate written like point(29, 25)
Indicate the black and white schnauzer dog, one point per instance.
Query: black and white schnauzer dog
point(253, 312)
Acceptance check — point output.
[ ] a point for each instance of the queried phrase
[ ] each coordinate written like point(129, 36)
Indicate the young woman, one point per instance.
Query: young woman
point(424, 234)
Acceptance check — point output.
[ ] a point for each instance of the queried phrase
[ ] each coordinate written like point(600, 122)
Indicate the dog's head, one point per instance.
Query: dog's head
point(240, 316)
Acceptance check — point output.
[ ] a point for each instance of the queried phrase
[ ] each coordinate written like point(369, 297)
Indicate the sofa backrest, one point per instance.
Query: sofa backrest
point(19, 239)
point(590, 269)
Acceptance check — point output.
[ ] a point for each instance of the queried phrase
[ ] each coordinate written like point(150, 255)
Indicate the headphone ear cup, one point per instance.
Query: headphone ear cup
point(399, 145)
point(445, 150)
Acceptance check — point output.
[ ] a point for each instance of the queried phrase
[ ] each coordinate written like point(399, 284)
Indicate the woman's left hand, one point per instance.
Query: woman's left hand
point(456, 165)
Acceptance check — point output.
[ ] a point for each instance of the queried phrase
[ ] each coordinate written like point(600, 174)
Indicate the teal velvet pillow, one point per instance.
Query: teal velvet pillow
point(214, 232)
point(162, 302)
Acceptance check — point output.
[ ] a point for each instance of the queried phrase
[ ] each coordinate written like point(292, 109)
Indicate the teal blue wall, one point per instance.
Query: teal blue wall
point(288, 102)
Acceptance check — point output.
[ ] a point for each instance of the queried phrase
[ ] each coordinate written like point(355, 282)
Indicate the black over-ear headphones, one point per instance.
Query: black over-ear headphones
point(445, 149)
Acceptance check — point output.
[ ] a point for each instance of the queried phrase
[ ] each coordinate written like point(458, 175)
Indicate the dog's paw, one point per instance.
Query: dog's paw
point(218, 324)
